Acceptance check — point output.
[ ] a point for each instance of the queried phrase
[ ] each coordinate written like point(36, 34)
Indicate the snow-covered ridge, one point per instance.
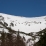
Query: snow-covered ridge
point(25, 24)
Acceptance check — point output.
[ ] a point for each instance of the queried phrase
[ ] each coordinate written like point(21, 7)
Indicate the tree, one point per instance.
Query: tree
point(19, 41)
point(3, 39)
point(42, 41)
point(10, 39)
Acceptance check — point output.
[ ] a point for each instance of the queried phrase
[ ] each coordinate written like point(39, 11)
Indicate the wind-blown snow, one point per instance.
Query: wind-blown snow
point(25, 24)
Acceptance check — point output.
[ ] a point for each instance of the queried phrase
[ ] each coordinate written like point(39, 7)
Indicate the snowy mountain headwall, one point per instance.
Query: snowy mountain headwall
point(25, 24)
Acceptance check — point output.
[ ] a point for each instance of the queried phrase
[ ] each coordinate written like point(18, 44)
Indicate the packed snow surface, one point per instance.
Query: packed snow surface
point(25, 24)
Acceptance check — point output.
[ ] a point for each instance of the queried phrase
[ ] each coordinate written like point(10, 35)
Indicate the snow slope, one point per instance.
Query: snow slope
point(25, 24)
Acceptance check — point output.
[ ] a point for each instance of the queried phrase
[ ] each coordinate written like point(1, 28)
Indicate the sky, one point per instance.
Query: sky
point(27, 8)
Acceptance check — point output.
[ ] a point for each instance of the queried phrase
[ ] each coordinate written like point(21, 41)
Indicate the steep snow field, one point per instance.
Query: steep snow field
point(25, 24)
